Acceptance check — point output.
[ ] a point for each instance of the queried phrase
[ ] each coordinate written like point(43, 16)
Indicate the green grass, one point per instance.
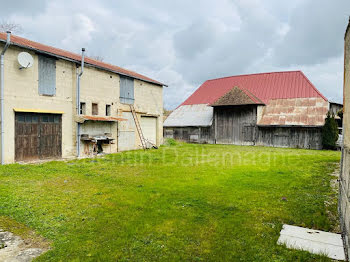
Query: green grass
point(179, 203)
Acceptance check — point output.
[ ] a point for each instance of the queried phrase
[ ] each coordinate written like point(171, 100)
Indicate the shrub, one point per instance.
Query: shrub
point(170, 142)
point(329, 132)
point(340, 113)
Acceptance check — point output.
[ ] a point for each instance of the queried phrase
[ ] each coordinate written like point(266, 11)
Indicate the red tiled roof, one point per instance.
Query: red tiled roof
point(237, 96)
point(264, 86)
point(22, 42)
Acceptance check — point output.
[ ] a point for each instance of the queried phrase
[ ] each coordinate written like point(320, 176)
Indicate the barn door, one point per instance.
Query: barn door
point(248, 133)
point(50, 136)
point(27, 133)
point(37, 136)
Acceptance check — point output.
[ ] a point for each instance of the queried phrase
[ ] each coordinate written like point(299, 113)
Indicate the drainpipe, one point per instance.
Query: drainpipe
point(2, 95)
point(78, 98)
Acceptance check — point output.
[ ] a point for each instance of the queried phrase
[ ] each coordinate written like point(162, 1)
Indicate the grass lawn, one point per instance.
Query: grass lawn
point(178, 203)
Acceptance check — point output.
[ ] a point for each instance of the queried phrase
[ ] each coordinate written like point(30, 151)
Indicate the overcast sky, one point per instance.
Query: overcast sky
point(183, 43)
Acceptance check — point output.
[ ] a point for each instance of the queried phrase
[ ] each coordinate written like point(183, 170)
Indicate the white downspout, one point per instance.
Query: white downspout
point(78, 98)
point(8, 41)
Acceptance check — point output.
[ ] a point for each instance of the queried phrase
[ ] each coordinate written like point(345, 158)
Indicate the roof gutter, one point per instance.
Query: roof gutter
point(79, 74)
point(307, 126)
point(2, 88)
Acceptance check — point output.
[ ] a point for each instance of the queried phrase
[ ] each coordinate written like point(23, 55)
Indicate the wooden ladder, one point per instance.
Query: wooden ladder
point(138, 127)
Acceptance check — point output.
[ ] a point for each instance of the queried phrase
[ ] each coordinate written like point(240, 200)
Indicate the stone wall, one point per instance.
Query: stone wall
point(344, 184)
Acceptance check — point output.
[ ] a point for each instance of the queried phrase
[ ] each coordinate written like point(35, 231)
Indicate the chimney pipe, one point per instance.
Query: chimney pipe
point(78, 98)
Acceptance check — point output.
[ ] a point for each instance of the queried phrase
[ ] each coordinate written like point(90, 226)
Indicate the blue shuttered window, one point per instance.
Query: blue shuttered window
point(126, 90)
point(47, 76)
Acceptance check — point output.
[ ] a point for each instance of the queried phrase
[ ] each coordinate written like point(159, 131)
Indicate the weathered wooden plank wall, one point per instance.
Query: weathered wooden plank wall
point(292, 137)
point(202, 135)
point(235, 125)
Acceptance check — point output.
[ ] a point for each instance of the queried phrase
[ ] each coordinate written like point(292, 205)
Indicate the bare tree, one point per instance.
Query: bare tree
point(97, 57)
point(10, 26)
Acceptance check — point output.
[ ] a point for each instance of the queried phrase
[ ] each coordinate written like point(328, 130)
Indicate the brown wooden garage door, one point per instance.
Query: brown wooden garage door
point(37, 136)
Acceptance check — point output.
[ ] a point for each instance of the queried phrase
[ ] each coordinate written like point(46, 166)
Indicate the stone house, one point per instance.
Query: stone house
point(42, 118)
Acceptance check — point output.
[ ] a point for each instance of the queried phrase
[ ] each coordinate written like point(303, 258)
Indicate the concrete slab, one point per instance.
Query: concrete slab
point(313, 241)
point(13, 249)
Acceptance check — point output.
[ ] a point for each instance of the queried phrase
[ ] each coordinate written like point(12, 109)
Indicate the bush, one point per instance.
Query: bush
point(170, 142)
point(340, 113)
point(330, 132)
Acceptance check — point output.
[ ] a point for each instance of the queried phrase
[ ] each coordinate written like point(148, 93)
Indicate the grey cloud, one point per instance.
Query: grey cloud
point(316, 30)
point(22, 7)
point(227, 52)
point(195, 39)
point(183, 43)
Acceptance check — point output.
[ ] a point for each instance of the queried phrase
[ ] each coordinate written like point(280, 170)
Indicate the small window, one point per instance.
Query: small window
point(28, 118)
point(57, 118)
point(20, 118)
point(108, 110)
point(45, 119)
point(50, 118)
point(82, 108)
point(35, 119)
point(94, 109)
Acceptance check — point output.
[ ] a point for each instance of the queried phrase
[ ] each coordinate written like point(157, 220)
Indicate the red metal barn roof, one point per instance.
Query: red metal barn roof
point(265, 86)
point(22, 42)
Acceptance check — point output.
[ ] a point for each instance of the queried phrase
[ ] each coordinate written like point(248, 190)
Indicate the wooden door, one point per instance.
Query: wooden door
point(50, 136)
point(37, 136)
point(27, 132)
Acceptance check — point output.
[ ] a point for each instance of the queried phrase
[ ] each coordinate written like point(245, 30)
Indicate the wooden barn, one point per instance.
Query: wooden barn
point(282, 109)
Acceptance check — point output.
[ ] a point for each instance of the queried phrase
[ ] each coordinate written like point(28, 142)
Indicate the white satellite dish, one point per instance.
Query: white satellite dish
point(25, 60)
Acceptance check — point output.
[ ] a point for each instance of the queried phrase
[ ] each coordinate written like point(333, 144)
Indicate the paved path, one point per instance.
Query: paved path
point(314, 241)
